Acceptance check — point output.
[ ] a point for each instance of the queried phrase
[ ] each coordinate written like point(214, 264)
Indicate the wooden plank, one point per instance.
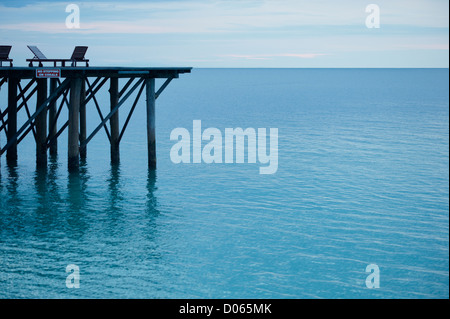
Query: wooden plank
point(121, 72)
point(27, 110)
point(151, 131)
point(83, 128)
point(21, 95)
point(11, 155)
point(28, 130)
point(53, 120)
point(112, 112)
point(131, 112)
point(25, 89)
point(3, 81)
point(99, 111)
point(161, 89)
point(41, 124)
point(53, 125)
point(114, 120)
point(60, 131)
point(93, 91)
point(88, 91)
point(74, 112)
point(44, 105)
point(126, 86)
point(64, 97)
point(3, 126)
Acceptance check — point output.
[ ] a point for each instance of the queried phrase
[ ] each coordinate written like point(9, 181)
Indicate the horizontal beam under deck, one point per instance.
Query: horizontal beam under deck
point(119, 72)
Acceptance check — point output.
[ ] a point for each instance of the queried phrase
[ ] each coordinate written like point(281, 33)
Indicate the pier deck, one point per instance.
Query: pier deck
point(75, 87)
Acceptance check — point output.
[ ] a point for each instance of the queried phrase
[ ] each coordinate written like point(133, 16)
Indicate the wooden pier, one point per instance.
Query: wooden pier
point(75, 87)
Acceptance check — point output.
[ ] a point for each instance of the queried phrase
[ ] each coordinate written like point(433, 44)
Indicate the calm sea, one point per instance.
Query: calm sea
point(363, 178)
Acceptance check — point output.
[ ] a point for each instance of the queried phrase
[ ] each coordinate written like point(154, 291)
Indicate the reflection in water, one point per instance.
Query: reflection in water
point(116, 216)
point(12, 185)
point(151, 198)
point(152, 211)
point(115, 194)
point(11, 216)
point(45, 214)
point(108, 225)
point(49, 200)
point(53, 177)
point(77, 184)
point(77, 200)
point(152, 228)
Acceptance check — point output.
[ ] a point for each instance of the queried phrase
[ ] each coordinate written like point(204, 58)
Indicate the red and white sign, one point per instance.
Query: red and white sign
point(48, 73)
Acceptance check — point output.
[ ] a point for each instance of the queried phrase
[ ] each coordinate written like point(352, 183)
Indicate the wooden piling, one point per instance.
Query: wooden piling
point(151, 132)
point(11, 154)
point(52, 130)
point(41, 124)
point(74, 111)
point(114, 120)
point(83, 129)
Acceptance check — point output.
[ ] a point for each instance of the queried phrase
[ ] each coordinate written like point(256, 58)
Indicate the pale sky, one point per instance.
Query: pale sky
point(233, 33)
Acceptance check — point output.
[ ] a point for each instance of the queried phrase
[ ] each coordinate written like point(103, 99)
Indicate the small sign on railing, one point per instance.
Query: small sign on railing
point(48, 73)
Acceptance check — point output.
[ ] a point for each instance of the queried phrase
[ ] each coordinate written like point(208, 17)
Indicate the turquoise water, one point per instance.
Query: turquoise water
point(363, 178)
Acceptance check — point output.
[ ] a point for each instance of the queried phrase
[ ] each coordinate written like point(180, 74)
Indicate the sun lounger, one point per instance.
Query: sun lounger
point(77, 56)
point(4, 55)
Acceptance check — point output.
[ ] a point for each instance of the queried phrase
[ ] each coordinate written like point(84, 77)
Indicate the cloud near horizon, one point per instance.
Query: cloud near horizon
point(269, 56)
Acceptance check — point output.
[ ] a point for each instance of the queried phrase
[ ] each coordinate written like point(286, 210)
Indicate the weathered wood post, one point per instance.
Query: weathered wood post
point(41, 124)
point(52, 130)
point(83, 151)
point(114, 120)
point(151, 134)
point(11, 154)
point(74, 111)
